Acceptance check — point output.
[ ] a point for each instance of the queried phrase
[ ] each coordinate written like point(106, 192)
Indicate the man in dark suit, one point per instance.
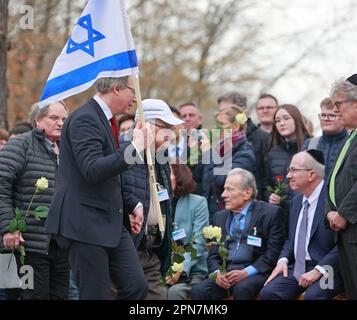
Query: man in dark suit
point(310, 251)
point(86, 214)
point(341, 209)
point(256, 237)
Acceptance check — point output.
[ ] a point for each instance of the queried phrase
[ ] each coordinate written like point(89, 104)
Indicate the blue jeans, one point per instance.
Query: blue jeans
point(2, 294)
point(73, 293)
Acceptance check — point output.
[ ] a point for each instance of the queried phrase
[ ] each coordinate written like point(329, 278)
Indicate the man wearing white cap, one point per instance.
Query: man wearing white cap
point(153, 248)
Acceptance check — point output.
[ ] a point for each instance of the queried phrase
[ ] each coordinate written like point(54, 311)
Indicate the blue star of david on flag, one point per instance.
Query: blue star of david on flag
point(93, 36)
point(100, 46)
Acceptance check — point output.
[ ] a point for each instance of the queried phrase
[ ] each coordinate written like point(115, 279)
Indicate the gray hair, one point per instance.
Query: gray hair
point(104, 85)
point(248, 179)
point(38, 113)
point(186, 104)
point(234, 98)
point(345, 88)
point(311, 163)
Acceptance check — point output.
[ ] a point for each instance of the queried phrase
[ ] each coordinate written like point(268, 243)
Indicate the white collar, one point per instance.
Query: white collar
point(108, 113)
point(314, 196)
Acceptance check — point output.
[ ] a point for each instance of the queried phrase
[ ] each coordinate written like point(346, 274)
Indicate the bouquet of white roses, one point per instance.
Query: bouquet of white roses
point(213, 235)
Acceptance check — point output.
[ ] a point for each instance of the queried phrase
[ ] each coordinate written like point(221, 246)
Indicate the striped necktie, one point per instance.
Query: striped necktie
point(300, 258)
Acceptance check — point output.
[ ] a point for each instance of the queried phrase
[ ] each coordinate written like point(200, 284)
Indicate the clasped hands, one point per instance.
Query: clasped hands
point(229, 279)
point(336, 221)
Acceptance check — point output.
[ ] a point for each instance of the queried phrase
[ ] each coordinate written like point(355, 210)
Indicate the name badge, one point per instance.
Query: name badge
point(178, 234)
point(163, 195)
point(254, 241)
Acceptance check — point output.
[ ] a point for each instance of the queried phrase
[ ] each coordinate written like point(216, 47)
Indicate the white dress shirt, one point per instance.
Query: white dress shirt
point(313, 200)
point(108, 113)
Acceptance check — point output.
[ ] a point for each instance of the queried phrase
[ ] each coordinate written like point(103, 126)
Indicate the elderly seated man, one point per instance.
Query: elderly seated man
point(256, 236)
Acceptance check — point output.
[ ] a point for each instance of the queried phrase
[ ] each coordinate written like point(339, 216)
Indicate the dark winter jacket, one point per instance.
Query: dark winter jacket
point(260, 141)
point(136, 189)
point(211, 176)
point(277, 163)
point(24, 160)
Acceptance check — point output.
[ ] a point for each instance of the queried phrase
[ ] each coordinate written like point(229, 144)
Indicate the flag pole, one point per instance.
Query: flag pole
point(152, 177)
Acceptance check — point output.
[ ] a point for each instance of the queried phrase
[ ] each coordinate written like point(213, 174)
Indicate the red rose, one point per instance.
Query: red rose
point(279, 178)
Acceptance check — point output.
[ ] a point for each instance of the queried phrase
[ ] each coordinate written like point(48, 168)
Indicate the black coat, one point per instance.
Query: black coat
point(260, 142)
point(23, 160)
point(136, 189)
point(346, 206)
point(87, 204)
point(277, 164)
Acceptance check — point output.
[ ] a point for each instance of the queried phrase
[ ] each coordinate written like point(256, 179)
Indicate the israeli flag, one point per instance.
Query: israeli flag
point(100, 46)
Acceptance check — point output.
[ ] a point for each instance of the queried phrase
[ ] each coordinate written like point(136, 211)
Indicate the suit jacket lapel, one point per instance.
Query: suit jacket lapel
point(226, 224)
point(319, 212)
point(105, 122)
point(255, 213)
point(352, 146)
point(295, 217)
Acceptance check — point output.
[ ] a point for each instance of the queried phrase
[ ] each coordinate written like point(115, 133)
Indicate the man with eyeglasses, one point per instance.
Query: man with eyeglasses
point(333, 135)
point(310, 250)
point(341, 209)
point(265, 109)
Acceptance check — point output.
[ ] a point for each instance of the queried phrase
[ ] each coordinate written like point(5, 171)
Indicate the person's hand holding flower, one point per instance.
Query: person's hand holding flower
point(276, 191)
point(13, 239)
point(213, 236)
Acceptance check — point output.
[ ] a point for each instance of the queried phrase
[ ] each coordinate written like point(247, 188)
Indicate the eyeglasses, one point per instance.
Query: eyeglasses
point(338, 104)
point(327, 116)
point(132, 89)
point(267, 108)
point(294, 170)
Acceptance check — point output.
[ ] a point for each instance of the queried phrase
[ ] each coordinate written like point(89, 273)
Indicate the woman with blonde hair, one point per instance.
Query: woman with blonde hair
point(232, 150)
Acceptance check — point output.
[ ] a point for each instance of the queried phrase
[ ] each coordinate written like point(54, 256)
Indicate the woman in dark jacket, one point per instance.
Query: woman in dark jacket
point(232, 151)
point(288, 136)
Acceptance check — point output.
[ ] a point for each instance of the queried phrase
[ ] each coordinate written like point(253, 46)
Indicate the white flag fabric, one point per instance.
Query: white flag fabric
point(100, 46)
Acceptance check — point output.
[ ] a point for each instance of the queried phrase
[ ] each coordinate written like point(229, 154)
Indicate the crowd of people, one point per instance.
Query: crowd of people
point(124, 196)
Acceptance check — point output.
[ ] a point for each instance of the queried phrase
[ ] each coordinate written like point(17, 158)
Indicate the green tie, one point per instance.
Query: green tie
point(340, 158)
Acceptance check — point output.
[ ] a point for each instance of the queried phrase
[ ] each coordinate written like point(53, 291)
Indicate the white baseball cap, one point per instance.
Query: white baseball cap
point(158, 109)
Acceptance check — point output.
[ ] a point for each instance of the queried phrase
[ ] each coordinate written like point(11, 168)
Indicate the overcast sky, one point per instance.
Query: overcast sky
point(329, 29)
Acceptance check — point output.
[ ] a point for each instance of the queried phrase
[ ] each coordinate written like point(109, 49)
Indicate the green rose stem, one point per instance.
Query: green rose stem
point(21, 248)
point(41, 184)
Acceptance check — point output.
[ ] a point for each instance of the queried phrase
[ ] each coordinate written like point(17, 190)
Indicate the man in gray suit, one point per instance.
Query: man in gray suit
point(341, 211)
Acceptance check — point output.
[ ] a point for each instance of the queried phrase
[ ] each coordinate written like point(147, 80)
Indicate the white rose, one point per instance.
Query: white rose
point(217, 231)
point(42, 183)
point(177, 267)
point(208, 232)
